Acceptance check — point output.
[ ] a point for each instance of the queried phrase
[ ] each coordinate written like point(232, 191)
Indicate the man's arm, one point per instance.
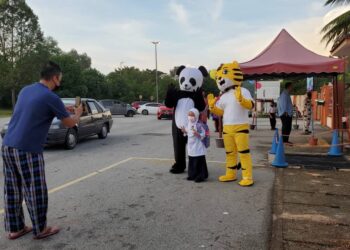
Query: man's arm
point(73, 120)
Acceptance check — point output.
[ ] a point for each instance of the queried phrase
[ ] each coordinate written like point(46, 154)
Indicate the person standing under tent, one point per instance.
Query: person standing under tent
point(272, 115)
point(285, 112)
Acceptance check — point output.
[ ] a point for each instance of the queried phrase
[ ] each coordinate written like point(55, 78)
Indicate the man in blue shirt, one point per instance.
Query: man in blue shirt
point(285, 112)
point(22, 153)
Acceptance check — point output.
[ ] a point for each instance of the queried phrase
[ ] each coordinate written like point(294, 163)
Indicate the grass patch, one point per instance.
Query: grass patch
point(5, 112)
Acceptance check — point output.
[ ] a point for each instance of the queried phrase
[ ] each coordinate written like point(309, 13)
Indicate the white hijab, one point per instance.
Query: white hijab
point(196, 116)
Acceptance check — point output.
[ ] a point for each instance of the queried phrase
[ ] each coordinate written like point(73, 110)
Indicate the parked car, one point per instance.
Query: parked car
point(136, 105)
point(165, 112)
point(150, 108)
point(95, 120)
point(118, 107)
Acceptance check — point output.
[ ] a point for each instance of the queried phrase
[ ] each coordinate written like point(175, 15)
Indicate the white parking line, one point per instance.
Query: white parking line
point(70, 183)
point(168, 159)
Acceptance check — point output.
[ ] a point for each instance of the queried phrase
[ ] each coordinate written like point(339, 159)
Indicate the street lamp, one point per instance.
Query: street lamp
point(155, 50)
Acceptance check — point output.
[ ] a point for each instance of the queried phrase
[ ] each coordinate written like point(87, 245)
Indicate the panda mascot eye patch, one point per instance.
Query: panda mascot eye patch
point(193, 81)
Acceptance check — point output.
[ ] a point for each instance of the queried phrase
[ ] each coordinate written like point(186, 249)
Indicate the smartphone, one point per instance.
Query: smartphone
point(77, 101)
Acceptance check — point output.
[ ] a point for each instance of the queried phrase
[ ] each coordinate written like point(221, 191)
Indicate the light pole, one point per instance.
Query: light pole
point(155, 50)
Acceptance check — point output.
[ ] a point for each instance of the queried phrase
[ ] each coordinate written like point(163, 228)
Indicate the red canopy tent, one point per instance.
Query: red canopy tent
point(285, 56)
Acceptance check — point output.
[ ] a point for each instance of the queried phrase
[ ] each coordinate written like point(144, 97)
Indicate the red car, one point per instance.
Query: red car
point(165, 112)
point(137, 104)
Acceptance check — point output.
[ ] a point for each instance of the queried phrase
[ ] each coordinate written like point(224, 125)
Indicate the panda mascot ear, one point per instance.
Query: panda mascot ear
point(179, 69)
point(203, 70)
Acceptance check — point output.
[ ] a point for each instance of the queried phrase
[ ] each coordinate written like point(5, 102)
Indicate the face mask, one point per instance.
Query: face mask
point(191, 119)
point(57, 85)
point(56, 88)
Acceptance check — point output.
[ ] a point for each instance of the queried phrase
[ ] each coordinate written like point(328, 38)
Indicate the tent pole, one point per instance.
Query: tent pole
point(256, 104)
point(312, 108)
point(335, 103)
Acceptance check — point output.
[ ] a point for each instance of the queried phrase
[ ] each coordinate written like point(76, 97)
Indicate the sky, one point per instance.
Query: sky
point(118, 33)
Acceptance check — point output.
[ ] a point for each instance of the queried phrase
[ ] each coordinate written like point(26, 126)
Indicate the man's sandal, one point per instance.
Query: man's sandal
point(47, 232)
point(16, 235)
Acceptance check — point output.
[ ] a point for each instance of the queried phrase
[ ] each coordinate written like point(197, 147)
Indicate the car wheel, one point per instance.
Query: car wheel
point(130, 113)
point(145, 112)
point(71, 139)
point(159, 117)
point(104, 132)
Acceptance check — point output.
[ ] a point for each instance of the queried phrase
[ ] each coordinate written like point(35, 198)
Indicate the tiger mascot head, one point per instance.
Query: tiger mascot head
point(227, 76)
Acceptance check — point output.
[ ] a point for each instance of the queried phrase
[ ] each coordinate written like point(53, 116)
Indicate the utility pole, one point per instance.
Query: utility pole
point(155, 50)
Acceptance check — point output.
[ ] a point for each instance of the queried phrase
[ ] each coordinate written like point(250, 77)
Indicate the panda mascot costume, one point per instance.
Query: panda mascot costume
point(233, 105)
point(189, 96)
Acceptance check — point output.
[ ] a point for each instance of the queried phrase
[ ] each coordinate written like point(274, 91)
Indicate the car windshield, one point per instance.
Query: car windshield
point(69, 104)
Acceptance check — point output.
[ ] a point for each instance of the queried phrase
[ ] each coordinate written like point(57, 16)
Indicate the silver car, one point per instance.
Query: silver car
point(118, 107)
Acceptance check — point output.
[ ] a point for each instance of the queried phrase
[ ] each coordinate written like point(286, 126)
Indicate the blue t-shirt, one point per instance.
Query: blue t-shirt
point(285, 104)
point(31, 120)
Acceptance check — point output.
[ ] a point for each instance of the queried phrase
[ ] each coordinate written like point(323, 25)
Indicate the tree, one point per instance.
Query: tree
point(337, 2)
point(72, 76)
point(95, 83)
point(20, 35)
point(83, 59)
point(339, 27)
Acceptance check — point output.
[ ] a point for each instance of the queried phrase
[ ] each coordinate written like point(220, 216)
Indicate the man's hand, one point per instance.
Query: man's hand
point(72, 121)
point(183, 130)
point(238, 94)
point(79, 110)
point(211, 100)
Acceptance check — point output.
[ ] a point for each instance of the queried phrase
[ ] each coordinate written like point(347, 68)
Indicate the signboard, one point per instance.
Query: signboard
point(268, 89)
point(309, 84)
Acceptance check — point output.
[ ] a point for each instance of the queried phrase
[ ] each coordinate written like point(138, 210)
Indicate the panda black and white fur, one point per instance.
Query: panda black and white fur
point(189, 96)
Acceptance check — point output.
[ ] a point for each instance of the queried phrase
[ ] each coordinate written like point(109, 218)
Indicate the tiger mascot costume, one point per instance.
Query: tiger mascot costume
point(233, 105)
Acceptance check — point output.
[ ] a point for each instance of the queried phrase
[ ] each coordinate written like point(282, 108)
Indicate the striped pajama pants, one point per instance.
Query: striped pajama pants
point(24, 175)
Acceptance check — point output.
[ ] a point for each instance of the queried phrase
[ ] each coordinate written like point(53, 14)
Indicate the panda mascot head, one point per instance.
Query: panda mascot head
point(191, 79)
point(227, 76)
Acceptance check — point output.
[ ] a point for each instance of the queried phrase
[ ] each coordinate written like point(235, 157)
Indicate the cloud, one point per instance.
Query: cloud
point(316, 7)
point(180, 14)
point(196, 32)
point(217, 10)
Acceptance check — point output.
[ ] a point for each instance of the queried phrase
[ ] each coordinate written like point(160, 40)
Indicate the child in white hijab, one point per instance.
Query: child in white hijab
point(196, 150)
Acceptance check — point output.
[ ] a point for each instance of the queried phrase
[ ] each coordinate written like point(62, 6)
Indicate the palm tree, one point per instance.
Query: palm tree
point(339, 27)
point(337, 2)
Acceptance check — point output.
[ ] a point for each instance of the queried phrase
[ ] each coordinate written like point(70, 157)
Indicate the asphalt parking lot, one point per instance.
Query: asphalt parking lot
point(117, 193)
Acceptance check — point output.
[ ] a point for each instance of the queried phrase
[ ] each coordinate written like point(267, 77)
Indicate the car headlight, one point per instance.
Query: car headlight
point(55, 126)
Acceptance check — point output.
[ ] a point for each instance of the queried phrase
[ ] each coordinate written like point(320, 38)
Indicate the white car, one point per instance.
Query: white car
point(150, 108)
